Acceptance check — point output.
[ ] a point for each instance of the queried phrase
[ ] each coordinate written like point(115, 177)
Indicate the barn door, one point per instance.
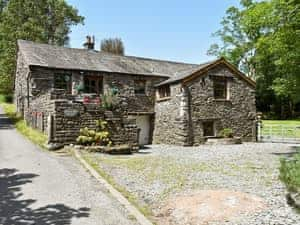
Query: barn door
point(143, 124)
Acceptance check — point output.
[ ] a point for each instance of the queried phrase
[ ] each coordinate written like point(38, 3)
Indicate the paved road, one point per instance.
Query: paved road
point(38, 187)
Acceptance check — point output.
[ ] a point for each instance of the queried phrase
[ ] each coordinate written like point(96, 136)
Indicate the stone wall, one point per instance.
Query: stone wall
point(129, 100)
point(41, 81)
point(44, 100)
point(179, 120)
point(170, 123)
point(237, 113)
point(66, 128)
point(20, 94)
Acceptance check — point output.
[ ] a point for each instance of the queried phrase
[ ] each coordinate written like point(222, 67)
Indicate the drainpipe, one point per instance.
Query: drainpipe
point(27, 88)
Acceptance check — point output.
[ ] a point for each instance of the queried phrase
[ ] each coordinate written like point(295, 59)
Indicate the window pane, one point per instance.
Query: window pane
point(139, 87)
point(100, 86)
point(220, 88)
point(208, 129)
point(164, 91)
point(93, 84)
point(62, 81)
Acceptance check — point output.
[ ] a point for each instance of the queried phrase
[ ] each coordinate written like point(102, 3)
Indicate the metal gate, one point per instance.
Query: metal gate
point(278, 133)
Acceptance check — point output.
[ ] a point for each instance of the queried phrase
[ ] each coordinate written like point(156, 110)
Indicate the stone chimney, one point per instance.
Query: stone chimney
point(90, 43)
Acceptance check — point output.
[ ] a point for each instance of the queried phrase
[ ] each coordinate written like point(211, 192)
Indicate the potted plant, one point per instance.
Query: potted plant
point(225, 137)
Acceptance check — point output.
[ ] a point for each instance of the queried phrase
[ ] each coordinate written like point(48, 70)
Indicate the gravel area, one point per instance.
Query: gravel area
point(158, 173)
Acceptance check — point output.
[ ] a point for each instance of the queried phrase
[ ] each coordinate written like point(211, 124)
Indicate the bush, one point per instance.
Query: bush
point(6, 98)
point(100, 136)
point(109, 100)
point(290, 172)
point(9, 98)
point(226, 133)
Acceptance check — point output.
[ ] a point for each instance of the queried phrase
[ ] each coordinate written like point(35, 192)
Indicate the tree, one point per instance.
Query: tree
point(262, 39)
point(3, 3)
point(44, 21)
point(113, 45)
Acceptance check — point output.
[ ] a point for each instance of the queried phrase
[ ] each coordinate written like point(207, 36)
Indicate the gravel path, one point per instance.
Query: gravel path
point(38, 187)
point(161, 172)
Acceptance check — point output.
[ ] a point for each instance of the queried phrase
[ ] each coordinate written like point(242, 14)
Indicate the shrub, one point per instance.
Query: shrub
point(109, 100)
point(226, 133)
point(6, 98)
point(290, 172)
point(100, 136)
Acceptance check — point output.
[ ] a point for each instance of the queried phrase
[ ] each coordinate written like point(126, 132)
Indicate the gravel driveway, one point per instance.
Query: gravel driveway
point(39, 187)
point(159, 173)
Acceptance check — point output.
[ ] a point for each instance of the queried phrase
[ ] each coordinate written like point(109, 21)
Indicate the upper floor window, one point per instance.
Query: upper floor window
point(93, 84)
point(221, 88)
point(164, 91)
point(140, 87)
point(63, 81)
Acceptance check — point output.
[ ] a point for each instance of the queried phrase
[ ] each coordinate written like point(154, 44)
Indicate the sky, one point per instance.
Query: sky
point(177, 30)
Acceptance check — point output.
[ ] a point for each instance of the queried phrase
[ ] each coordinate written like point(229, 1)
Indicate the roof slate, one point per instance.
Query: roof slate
point(52, 56)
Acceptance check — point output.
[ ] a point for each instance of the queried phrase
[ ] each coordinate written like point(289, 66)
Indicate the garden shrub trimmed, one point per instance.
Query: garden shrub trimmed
point(226, 133)
point(290, 172)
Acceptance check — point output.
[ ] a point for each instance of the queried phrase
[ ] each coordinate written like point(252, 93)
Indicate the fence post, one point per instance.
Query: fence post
point(50, 130)
point(282, 133)
point(259, 125)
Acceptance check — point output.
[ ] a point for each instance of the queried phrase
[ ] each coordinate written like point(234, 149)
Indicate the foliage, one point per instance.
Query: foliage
point(45, 21)
point(8, 98)
point(226, 133)
point(109, 100)
point(33, 135)
point(262, 39)
point(2, 98)
point(113, 45)
point(79, 88)
point(290, 172)
point(100, 136)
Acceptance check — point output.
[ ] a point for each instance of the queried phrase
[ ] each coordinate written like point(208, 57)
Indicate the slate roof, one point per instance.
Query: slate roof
point(57, 57)
point(51, 56)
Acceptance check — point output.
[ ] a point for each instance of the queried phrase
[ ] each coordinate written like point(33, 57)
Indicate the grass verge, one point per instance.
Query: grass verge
point(33, 135)
point(290, 172)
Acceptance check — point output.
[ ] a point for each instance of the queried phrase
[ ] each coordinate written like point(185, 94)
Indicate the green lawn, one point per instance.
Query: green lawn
point(281, 128)
point(35, 136)
point(2, 98)
point(295, 122)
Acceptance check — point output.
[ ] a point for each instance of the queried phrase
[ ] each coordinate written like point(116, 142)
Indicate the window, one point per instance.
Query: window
point(220, 88)
point(93, 84)
point(63, 81)
point(140, 87)
point(164, 91)
point(208, 129)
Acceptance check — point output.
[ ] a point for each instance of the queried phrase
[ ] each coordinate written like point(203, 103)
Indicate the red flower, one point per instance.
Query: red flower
point(86, 99)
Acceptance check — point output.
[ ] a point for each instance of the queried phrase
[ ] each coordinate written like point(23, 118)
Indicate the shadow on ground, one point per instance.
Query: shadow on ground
point(16, 211)
point(5, 123)
point(289, 154)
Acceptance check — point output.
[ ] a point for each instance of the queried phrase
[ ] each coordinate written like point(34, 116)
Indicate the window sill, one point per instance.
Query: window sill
point(222, 100)
point(163, 99)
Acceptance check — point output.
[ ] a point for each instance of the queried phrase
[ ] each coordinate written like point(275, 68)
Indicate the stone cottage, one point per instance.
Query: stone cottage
point(59, 90)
